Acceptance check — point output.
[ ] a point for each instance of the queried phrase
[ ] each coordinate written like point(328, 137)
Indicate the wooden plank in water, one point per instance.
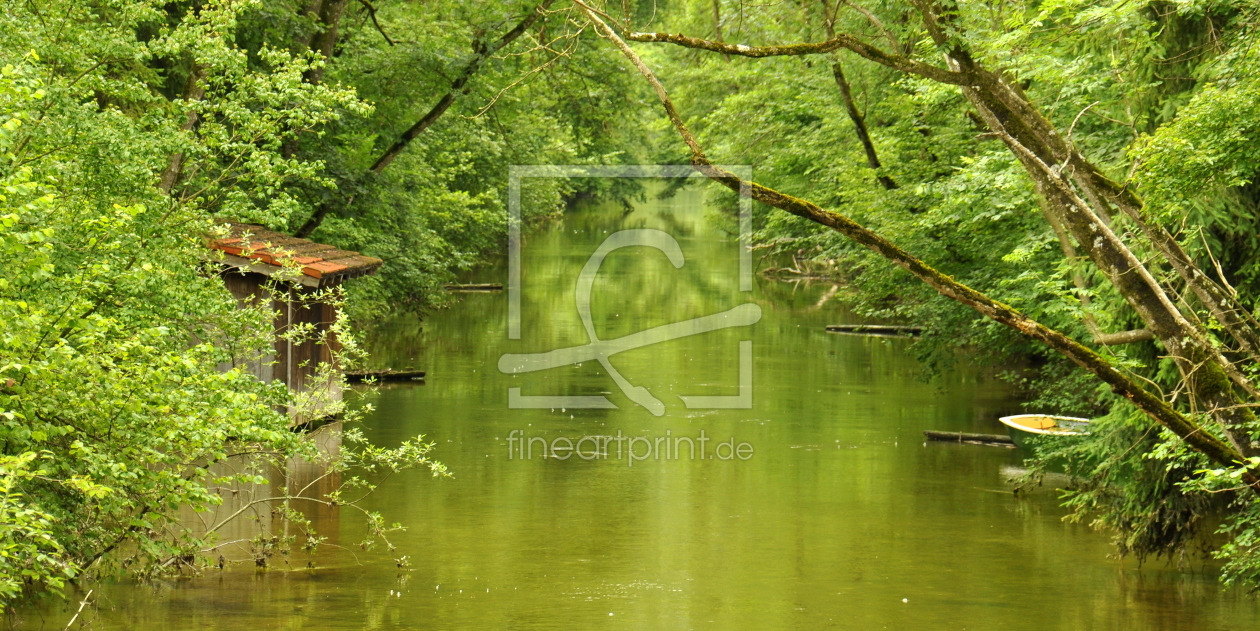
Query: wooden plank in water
point(473, 287)
point(891, 330)
point(992, 440)
point(385, 375)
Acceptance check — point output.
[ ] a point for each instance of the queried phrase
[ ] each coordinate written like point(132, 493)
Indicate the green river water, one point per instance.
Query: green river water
point(841, 517)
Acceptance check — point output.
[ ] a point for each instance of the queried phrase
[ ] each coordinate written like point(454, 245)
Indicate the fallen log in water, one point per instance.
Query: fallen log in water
point(385, 375)
point(992, 440)
point(887, 330)
point(473, 287)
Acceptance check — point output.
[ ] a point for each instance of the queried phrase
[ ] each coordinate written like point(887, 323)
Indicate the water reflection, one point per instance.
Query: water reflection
point(250, 524)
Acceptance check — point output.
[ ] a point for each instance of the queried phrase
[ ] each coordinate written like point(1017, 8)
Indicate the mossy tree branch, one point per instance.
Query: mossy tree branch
point(840, 41)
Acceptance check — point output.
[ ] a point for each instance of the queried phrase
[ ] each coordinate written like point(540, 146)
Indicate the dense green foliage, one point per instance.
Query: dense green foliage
point(1160, 95)
point(129, 131)
point(121, 357)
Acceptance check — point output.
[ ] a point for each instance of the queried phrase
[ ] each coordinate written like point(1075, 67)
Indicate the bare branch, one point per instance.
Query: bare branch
point(1123, 337)
point(850, 106)
point(870, 17)
point(860, 128)
point(372, 12)
point(898, 62)
point(83, 603)
point(556, 56)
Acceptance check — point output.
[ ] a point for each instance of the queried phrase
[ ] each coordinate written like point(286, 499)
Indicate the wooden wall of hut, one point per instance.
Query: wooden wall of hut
point(297, 365)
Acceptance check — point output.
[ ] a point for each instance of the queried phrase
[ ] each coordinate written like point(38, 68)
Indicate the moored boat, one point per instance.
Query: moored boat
point(1024, 428)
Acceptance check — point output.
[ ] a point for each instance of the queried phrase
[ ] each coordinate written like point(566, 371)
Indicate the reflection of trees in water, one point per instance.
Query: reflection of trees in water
point(282, 516)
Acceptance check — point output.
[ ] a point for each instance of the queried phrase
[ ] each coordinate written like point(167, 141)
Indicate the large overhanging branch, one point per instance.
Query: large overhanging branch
point(1199, 359)
point(1048, 147)
point(1154, 406)
point(841, 40)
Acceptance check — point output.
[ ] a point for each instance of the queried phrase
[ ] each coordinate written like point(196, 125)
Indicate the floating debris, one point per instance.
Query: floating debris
point(992, 440)
point(385, 375)
point(473, 287)
point(876, 330)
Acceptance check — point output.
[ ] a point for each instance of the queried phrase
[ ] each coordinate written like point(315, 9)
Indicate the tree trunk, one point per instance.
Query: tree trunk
point(323, 40)
point(859, 126)
point(194, 90)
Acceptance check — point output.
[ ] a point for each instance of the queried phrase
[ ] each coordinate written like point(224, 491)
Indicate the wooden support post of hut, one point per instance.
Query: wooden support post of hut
point(254, 264)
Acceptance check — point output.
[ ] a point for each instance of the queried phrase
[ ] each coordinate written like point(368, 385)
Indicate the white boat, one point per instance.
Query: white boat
point(1022, 427)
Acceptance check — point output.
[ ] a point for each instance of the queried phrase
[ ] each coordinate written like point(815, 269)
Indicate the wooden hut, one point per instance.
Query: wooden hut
point(254, 262)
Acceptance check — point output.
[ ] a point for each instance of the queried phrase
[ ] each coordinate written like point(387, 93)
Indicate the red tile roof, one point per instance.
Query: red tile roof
point(255, 248)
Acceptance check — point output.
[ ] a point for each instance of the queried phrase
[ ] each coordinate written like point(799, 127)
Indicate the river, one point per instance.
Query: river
point(830, 510)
